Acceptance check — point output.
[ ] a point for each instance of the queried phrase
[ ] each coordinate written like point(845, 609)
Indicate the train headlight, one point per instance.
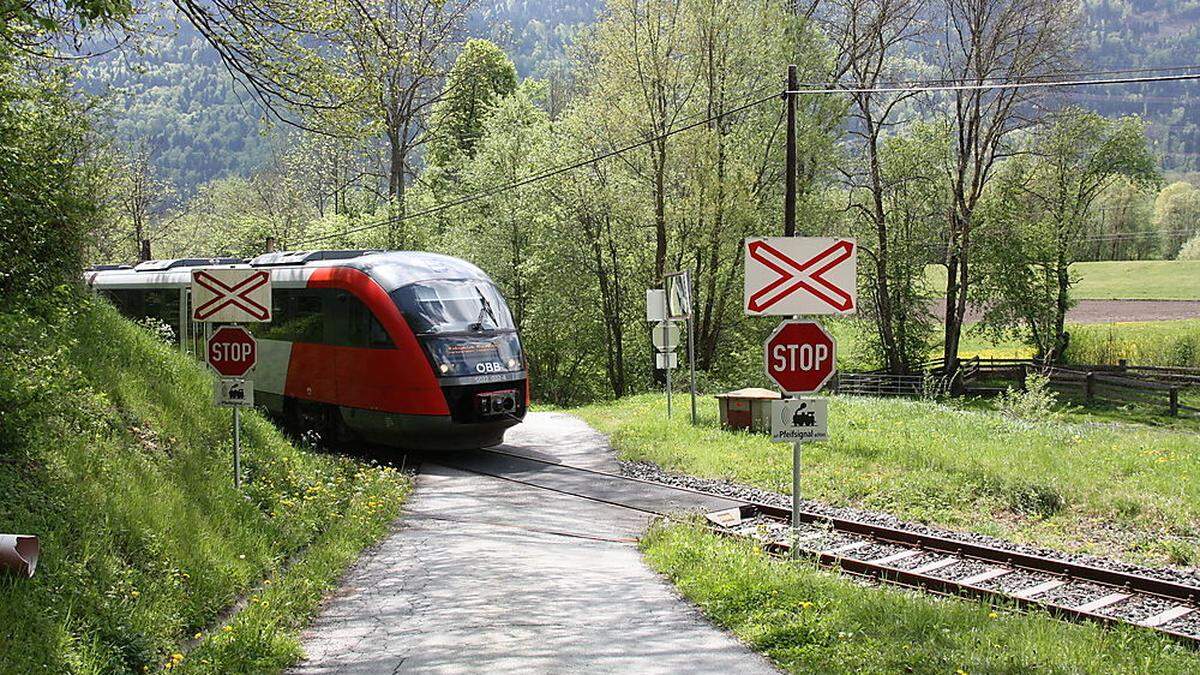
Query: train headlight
point(512, 364)
point(445, 367)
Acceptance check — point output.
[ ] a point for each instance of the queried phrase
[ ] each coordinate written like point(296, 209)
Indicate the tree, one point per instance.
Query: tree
point(986, 42)
point(871, 36)
point(1044, 211)
point(481, 76)
point(399, 52)
point(142, 199)
point(1177, 215)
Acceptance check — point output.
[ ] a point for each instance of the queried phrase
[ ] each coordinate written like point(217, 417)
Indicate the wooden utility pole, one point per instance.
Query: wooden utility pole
point(789, 194)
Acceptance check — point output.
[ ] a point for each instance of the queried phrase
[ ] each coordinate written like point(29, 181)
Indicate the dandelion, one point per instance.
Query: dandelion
point(197, 636)
point(228, 629)
point(805, 605)
point(134, 593)
point(992, 615)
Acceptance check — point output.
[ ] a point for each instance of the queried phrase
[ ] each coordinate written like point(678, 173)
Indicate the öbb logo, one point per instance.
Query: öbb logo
point(490, 367)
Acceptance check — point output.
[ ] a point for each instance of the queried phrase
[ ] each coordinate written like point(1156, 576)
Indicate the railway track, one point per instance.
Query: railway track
point(892, 555)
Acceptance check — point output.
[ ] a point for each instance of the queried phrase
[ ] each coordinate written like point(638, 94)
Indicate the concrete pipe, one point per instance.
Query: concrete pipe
point(19, 553)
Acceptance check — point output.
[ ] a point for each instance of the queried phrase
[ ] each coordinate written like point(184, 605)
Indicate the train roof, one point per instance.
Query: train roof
point(390, 269)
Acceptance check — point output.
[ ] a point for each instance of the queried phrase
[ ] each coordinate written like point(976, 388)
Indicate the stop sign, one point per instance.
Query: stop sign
point(800, 356)
point(232, 351)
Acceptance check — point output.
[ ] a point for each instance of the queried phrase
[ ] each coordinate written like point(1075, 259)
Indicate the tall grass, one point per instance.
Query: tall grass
point(1151, 343)
point(112, 452)
point(810, 621)
point(1115, 490)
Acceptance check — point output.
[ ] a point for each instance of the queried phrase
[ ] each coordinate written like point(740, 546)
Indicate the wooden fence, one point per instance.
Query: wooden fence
point(1154, 386)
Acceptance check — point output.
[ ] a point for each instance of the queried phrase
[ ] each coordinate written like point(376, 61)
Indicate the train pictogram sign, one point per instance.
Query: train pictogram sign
point(800, 275)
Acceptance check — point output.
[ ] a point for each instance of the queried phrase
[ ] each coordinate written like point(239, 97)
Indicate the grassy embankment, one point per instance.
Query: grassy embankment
point(1119, 490)
point(112, 452)
point(810, 621)
point(1149, 343)
point(1120, 280)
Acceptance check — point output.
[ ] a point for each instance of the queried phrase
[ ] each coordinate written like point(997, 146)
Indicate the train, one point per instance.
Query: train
point(412, 350)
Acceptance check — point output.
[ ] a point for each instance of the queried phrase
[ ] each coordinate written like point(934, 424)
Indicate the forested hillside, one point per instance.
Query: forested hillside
point(1124, 34)
point(179, 105)
point(196, 125)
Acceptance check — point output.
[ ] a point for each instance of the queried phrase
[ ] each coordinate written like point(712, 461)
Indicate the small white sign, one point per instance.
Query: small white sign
point(230, 393)
point(665, 360)
point(231, 295)
point(679, 295)
point(665, 336)
point(800, 275)
point(656, 304)
point(800, 420)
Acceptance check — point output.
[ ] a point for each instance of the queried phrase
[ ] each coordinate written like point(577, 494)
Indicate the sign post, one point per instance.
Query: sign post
point(232, 295)
point(790, 276)
point(679, 306)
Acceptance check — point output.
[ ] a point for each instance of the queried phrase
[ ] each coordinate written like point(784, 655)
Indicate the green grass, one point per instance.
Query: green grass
point(1121, 490)
point(811, 621)
point(1120, 280)
point(112, 452)
point(1148, 343)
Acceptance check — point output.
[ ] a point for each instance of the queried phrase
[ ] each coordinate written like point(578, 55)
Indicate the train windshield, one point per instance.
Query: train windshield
point(435, 307)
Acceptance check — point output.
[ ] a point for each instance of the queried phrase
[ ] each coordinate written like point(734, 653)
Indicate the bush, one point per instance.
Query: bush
point(1036, 402)
point(45, 184)
point(1190, 249)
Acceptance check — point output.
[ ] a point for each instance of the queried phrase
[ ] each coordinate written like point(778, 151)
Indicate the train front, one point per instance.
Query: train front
point(468, 335)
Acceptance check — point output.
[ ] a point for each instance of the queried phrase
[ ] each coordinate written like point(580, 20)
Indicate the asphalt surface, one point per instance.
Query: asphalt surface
point(487, 574)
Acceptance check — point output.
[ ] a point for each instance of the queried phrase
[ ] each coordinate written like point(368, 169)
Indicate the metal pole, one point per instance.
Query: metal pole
point(789, 194)
point(795, 497)
point(691, 324)
point(237, 448)
point(668, 369)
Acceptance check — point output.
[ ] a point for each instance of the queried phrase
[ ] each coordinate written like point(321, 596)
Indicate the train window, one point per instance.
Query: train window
point(452, 306)
point(128, 301)
point(297, 317)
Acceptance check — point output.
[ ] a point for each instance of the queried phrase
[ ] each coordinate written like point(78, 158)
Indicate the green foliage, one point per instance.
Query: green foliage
point(1052, 482)
point(113, 454)
point(481, 76)
point(810, 621)
point(1035, 402)
point(1190, 249)
point(1155, 343)
point(46, 184)
point(1177, 215)
point(1038, 215)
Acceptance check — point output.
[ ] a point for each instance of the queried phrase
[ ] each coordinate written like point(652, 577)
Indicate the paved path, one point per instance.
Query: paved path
point(485, 575)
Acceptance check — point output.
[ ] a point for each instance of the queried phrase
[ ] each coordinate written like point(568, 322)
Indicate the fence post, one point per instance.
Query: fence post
point(1024, 377)
point(1122, 364)
point(1174, 394)
point(1089, 386)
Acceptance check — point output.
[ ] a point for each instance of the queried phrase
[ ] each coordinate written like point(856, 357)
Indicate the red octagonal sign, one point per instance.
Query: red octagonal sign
point(232, 351)
point(800, 356)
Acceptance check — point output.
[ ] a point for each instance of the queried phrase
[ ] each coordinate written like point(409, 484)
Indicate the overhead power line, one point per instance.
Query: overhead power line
point(818, 88)
point(1003, 84)
point(543, 175)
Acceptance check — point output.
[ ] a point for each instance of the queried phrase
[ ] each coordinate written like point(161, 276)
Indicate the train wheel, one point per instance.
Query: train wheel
point(318, 424)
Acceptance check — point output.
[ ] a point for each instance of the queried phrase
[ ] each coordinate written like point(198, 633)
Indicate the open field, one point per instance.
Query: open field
point(1120, 280)
point(808, 620)
point(112, 452)
point(1123, 490)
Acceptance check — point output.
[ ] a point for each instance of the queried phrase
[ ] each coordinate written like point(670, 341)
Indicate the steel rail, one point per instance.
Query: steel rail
point(1118, 582)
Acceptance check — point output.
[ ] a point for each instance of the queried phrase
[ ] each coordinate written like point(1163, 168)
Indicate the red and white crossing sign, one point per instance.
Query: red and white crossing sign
point(231, 295)
point(800, 275)
point(232, 351)
point(800, 357)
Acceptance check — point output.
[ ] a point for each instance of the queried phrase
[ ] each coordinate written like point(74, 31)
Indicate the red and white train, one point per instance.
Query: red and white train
point(413, 350)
